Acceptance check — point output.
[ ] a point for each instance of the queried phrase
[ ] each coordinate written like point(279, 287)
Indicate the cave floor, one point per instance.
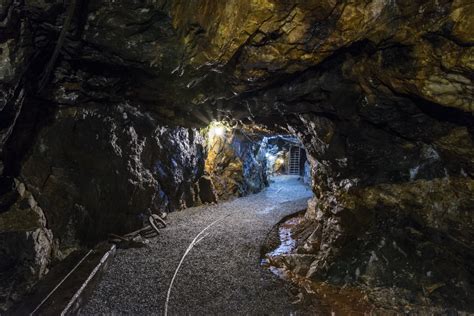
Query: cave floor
point(222, 274)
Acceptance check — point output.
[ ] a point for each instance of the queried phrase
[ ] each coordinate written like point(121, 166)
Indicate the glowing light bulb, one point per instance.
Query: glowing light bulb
point(219, 131)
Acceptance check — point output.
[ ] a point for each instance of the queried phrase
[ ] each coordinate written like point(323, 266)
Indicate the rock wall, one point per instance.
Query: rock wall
point(26, 247)
point(392, 206)
point(101, 169)
point(253, 167)
point(94, 170)
point(234, 166)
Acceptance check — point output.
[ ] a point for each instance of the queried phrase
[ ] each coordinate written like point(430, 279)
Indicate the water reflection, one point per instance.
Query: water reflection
point(330, 299)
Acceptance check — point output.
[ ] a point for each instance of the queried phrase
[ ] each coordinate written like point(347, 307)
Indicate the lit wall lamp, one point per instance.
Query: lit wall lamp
point(217, 130)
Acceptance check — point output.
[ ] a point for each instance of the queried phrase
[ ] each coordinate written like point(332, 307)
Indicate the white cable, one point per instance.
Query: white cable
point(191, 245)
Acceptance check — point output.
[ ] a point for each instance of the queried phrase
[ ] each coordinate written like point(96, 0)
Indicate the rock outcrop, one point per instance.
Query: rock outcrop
point(101, 169)
point(233, 164)
point(95, 170)
point(26, 247)
point(391, 207)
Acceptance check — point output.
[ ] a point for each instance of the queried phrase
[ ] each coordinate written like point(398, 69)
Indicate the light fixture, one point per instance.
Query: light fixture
point(218, 130)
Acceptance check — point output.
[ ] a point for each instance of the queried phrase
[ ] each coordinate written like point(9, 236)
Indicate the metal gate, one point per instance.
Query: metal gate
point(294, 161)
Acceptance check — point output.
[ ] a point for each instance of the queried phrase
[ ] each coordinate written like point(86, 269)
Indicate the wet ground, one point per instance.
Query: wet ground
point(324, 298)
point(220, 272)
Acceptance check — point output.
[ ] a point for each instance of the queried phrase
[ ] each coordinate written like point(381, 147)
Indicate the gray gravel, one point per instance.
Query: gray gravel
point(220, 275)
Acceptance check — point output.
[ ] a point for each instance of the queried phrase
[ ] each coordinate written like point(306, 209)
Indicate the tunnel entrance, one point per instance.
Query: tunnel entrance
point(242, 160)
point(284, 154)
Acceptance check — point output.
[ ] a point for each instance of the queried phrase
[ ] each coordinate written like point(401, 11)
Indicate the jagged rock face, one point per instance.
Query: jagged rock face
point(392, 203)
point(254, 178)
point(26, 247)
point(94, 170)
point(207, 190)
point(102, 169)
point(234, 166)
point(420, 48)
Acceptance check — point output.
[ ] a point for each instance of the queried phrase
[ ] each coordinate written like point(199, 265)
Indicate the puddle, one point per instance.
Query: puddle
point(287, 243)
point(286, 246)
point(331, 299)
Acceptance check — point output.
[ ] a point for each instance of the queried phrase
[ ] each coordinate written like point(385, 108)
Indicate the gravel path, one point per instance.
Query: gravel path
point(220, 275)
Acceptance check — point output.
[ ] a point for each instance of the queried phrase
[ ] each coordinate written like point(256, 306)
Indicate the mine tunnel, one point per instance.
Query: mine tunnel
point(236, 157)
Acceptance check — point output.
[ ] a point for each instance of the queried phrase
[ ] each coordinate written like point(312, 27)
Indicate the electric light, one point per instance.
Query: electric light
point(280, 160)
point(217, 129)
